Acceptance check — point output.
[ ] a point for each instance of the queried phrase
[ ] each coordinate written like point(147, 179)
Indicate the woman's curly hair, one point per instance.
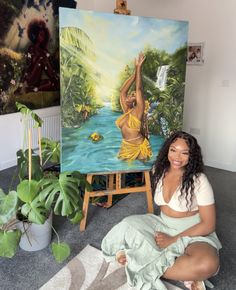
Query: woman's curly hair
point(192, 169)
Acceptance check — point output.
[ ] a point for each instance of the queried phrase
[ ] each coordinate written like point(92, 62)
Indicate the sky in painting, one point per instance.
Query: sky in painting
point(118, 39)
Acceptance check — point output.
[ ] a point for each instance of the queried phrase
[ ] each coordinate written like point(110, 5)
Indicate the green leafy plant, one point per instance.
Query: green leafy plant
point(38, 195)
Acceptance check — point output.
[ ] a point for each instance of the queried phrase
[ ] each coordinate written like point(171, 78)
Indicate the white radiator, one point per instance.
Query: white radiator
point(50, 128)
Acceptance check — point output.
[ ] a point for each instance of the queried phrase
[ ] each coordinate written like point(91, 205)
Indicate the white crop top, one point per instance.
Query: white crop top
point(203, 195)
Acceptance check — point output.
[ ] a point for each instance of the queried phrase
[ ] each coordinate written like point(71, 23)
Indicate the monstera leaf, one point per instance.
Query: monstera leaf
point(35, 211)
point(24, 110)
point(8, 205)
point(64, 191)
point(23, 165)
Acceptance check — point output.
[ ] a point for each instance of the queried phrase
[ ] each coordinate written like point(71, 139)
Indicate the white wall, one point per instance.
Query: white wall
point(11, 139)
point(11, 132)
point(210, 98)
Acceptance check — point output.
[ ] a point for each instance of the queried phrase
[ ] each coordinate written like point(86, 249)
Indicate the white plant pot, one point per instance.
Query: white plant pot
point(35, 237)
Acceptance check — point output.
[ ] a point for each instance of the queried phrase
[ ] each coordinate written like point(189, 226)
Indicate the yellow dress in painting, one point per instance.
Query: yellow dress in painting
point(130, 151)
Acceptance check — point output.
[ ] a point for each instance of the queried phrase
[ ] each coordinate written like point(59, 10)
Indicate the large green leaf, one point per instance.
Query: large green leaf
point(8, 205)
point(64, 192)
point(76, 38)
point(23, 165)
point(9, 241)
point(60, 251)
point(35, 211)
point(82, 182)
point(27, 190)
point(26, 111)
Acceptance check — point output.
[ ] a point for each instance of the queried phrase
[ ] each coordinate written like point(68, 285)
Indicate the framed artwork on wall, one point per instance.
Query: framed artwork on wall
point(29, 54)
point(195, 53)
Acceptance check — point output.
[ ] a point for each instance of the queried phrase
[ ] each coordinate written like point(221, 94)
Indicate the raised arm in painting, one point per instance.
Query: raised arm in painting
point(124, 91)
point(140, 104)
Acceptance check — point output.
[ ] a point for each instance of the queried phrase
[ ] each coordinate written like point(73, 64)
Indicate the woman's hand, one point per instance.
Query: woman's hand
point(140, 60)
point(164, 240)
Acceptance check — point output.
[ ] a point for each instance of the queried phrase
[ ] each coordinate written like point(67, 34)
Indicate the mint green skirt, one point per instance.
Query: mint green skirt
point(146, 262)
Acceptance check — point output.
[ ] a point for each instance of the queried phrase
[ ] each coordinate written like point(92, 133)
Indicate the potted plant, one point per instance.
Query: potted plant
point(38, 195)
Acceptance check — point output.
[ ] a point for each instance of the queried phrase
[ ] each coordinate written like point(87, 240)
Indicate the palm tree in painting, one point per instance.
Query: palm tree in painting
point(78, 76)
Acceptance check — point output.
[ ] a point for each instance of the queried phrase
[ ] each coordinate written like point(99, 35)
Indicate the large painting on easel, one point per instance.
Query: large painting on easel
point(122, 88)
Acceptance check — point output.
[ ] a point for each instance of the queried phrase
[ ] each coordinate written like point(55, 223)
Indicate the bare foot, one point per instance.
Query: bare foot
point(198, 285)
point(195, 285)
point(188, 284)
point(121, 257)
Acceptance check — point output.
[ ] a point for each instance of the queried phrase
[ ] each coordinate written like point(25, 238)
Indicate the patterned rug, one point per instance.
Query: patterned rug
point(88, 270)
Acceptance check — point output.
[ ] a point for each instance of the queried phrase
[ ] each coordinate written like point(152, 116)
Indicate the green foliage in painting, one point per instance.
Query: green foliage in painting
point(79, 78)
point(167, 112)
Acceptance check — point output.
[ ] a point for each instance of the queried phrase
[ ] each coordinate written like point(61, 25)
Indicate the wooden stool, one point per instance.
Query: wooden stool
point(114, 187)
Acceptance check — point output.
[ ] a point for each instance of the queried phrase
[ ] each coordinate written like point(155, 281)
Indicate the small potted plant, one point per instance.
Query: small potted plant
point(39, 195)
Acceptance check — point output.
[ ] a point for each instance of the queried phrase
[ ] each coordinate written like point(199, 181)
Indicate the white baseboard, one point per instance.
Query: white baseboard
point(7, 164)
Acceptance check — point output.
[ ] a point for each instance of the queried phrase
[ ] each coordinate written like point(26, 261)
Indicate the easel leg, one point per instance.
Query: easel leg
point(110, 186)
point(85, 205)
point(118, 181)
point(148, 192)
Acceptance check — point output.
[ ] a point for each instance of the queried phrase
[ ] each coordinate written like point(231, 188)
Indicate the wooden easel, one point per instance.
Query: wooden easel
point(114, 186)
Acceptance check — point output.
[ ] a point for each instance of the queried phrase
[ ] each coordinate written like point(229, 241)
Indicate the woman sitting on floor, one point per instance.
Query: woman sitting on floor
point(180, 244)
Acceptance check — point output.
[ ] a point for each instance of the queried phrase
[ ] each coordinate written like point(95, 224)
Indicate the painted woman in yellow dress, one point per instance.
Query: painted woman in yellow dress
point(135, 144)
